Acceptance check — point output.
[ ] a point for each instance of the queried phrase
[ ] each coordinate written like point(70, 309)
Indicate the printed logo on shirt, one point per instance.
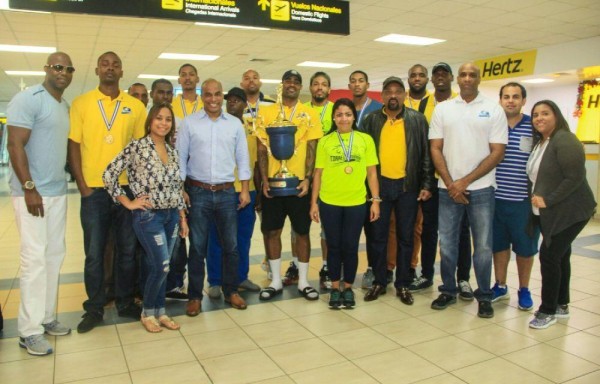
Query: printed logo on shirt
point(126, 110)
point(484, 114)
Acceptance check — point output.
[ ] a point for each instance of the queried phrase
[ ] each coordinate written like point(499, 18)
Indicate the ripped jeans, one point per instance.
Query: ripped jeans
point(157, 231)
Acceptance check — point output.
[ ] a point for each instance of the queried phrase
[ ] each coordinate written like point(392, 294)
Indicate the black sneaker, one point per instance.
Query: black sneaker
point(133, 311)
point(348, 298)
point(291, 275)
point(89, 322)
point(335, 299)
point(485, 310)
point(177, 294)
point(465, 292)
point(420, 283)
point(324, 279)
point(390, 276)
point(443, 301)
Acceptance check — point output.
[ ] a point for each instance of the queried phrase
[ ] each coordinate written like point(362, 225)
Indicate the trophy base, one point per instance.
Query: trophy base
point(280, 186)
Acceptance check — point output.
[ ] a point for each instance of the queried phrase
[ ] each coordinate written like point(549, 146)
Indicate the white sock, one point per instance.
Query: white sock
point(276, 271)
point(325, 263)
point(302, 276)
point(295, 261)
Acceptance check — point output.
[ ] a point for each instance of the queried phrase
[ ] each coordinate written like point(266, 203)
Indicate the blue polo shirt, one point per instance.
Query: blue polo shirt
point(48, 120)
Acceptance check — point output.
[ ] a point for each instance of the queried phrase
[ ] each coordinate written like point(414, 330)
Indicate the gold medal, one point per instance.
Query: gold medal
point(108, 139)
point(348, 170)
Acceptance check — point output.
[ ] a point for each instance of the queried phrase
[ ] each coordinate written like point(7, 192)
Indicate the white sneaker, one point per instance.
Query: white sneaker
point(36, 345)
point(54, 328)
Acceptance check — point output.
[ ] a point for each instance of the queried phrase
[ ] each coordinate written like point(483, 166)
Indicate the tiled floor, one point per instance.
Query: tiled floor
point(291, 340)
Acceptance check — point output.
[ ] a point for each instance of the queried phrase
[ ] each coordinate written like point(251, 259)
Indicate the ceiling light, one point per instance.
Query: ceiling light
point(185, 56)
point(168, 77)
point(270, 81)
point(25, 73)
point(231, 26)
point(538, 81)
point(27, 48)
point(319, 64)
point(407, 39)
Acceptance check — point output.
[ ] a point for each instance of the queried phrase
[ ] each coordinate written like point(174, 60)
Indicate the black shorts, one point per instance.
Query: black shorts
point(275, 210)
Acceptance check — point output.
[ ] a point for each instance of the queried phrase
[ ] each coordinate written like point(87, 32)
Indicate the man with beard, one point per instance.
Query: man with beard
point(302, 163)
point(320, 86)
point(405, 177)
point(103, 122)
point(358, 84)
point(38, 119)
point(467, 138)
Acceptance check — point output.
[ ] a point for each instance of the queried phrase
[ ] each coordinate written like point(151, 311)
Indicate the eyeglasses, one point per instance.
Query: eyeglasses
point(60, 68)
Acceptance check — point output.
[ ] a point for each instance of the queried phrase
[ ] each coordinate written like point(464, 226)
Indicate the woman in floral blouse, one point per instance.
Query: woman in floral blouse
point(153, 171)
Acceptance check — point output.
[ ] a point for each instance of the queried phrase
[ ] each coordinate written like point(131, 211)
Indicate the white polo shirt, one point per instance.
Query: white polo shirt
point(467, 130)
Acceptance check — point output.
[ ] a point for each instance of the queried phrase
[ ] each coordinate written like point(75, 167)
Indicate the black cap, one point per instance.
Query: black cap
point(291, 73)
point(393, 79)
point(238, 92)
point(442, 65)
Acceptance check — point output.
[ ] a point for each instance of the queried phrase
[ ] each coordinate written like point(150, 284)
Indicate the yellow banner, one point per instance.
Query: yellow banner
point(588, 128)
point(507, 66)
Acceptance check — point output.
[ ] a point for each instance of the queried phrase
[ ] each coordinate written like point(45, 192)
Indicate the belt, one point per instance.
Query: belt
point(209, 187)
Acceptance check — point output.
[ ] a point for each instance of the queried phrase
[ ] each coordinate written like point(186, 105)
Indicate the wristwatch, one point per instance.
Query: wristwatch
point(29, 185)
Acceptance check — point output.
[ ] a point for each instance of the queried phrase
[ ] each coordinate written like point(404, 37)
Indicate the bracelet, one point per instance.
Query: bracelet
point(375, 198)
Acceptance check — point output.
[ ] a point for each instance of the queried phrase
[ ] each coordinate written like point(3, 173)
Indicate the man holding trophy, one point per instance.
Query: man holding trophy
point(287, 138)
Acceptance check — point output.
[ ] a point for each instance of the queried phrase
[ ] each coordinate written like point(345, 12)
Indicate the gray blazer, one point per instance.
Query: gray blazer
point(562, 182)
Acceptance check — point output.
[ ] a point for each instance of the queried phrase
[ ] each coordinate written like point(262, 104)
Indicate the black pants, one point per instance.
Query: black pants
point(555, 261)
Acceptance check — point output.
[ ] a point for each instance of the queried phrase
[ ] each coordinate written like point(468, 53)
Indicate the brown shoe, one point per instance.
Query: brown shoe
point(374, 292)
point(236, 301)
point(405, 296)
point(193, 307)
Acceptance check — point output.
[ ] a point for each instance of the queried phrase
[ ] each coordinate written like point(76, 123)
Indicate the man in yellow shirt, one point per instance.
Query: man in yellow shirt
point(103, 122)
point(302, 163)
point(188, 101)
point(405, 178)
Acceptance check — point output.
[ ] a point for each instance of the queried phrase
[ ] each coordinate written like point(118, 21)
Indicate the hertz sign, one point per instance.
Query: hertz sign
point(507, 66)
point(322, 16)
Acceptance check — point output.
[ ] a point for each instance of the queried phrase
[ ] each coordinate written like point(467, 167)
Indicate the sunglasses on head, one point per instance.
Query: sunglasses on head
point(60, 68)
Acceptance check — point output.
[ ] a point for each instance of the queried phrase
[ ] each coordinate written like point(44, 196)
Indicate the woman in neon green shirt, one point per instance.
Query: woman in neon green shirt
point(345, 158)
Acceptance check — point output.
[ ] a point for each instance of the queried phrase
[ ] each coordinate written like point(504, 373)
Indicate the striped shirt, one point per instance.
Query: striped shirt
point(511, 175)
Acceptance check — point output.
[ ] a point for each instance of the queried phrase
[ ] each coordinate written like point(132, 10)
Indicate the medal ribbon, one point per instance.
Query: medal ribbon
point(183, 106)
point(110, 123)
point(292, 113)
point(362, 111)
point(347, 151)
point(323, 111)
point(253, 111)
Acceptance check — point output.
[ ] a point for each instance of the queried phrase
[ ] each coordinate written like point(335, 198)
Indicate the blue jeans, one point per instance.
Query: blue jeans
point(179, 260)
point(214, 266)
point(405, 207)
point(480, 212)
point(219, 208)
point(342, 227)
point(99, 215)
point(157, 231)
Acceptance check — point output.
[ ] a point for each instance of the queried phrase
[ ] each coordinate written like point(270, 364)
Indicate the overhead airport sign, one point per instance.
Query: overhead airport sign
point(322, 16)
point(507, 66)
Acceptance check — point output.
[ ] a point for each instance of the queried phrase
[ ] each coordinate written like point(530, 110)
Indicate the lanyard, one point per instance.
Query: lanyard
point(183, 108)
point(110, 123)
point(323, 111)
point(362, 111)
point(292, 113)
point(253, 111)
point(347, 150)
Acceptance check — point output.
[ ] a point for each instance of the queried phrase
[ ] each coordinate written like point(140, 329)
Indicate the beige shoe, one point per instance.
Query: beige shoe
point(151, 324)
point(168, 323)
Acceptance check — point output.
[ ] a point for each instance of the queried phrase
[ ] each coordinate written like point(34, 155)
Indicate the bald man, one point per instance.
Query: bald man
point(38, 119)
point(467, 139)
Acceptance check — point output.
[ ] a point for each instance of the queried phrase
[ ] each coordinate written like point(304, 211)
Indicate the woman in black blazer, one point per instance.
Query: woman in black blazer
point(562, 204)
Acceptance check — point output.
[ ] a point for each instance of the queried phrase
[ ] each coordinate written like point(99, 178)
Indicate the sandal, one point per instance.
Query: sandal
point(168, 323)
point(309, 293)
point(151, 324)
point(268, 293)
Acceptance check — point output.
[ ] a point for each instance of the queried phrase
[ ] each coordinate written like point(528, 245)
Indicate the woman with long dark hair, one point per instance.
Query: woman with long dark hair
point(562, 204)
point(345, 158)
point(158, 209)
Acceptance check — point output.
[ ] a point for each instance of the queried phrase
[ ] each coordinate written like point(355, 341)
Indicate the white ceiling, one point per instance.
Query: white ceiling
point(473, 29)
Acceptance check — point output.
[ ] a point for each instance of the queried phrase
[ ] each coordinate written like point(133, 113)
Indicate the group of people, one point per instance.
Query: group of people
point(418, 164)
